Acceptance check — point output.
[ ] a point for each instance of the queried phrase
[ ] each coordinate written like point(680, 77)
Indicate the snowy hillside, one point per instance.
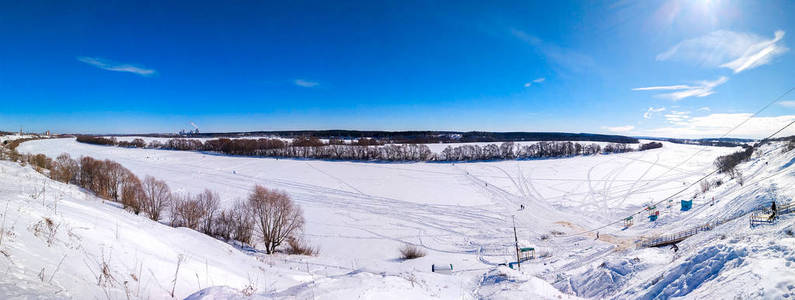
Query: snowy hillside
point(59, 242)
point(359, 214)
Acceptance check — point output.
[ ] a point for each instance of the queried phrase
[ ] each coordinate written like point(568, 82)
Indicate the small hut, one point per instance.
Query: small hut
point(526, 253)
point(687, 204)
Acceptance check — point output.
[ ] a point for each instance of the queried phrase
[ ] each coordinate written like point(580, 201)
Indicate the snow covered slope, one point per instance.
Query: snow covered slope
point(361, 213)
point(59, 242)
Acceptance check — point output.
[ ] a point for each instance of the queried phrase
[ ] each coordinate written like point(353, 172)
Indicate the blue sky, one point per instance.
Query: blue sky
point(662, 68)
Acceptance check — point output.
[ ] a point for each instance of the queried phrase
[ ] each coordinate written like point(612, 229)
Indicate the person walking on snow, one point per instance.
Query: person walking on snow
point(773, 208)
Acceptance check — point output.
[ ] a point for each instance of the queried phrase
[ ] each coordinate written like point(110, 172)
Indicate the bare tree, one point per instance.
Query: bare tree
point(242, 221)
point(157, 196)
point(65, 169)
point(186, 211)
point(132, 193)
point(223, 225)
point(209, 203)
point(115, 174)
point(276, 216)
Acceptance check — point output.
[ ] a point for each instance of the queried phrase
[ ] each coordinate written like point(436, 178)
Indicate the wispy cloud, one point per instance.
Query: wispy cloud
point(677, 117)
point(115, 66)
point(537, 80)
point(648, 114)
point(728, 49)
point(306, 83)
point(758, 54)
point(715, 125)
point(705, 108)
point(700, 89)
point(787, 104)
point(619, 128)
point(564, 59)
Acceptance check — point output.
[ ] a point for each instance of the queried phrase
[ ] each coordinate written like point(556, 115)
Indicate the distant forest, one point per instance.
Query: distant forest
point(715, 142)
point(368, 149)
point(418, 137)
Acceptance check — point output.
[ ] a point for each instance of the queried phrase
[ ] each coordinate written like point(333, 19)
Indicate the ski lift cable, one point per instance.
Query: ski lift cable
point(731, 130)
point(710, 173)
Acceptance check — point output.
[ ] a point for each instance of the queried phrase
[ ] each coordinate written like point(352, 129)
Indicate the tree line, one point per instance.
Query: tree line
point(373, 150)
point(421, 137)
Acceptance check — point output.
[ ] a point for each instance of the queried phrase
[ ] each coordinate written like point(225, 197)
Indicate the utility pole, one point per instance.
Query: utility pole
point(516, 243)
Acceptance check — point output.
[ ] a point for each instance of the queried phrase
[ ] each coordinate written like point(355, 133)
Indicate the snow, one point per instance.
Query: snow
point(360, 213)
point(12, 137)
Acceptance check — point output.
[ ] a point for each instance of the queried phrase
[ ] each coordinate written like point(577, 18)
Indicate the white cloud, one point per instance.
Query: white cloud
point(648, 114)
point(114, 66)
point(537, 80)
point(677, 117)
point(734, 50)
point(305, 83)
point(715, 125)
point(700, 89)
point(704, 108)
point(619, 128)
point(758, 54)
point(787, 103)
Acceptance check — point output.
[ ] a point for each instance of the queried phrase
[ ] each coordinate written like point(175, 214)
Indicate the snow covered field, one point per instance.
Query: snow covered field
point(359, 214)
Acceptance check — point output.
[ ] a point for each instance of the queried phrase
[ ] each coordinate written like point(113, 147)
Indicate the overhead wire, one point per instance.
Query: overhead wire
point(696, 153)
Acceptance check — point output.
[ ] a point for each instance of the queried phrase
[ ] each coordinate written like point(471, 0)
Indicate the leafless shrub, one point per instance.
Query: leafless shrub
point(115, 174)
point(242, 222)
point(209, 203)
point(704, 186)
point(250, 288)
point(65, 169)
point(132, 193)
point(275, 215)
point(88, 170)
point(157, 196)
point(186, 211)
point(234, 223)
point(105, 275)
point(300, 247)
point(40, 161)
point(47, 229)
point(411, 252)
point(223, 225)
